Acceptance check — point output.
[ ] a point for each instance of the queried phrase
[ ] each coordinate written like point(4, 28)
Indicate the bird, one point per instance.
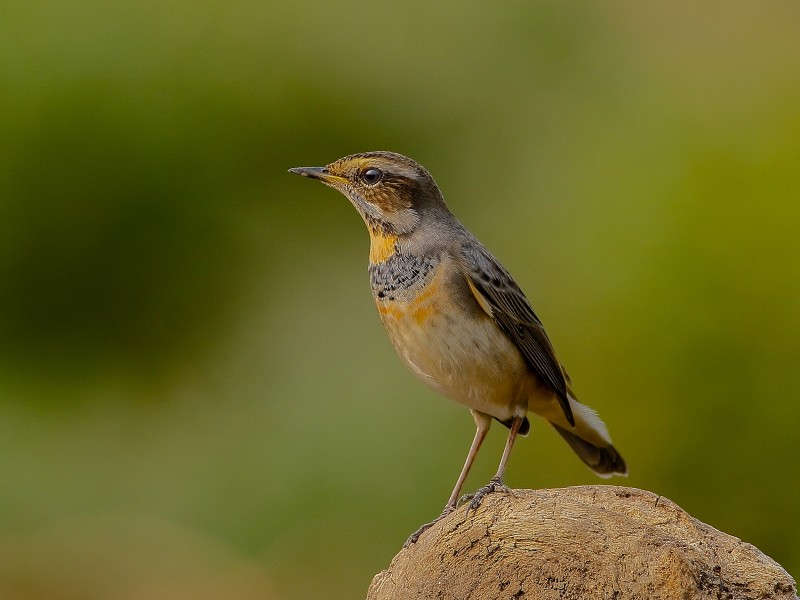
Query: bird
point(458, 319)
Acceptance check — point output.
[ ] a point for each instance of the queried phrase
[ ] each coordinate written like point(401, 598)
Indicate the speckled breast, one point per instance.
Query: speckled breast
point(445, 338)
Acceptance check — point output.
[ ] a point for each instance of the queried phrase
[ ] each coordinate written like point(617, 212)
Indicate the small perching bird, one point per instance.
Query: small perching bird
point(457, 318)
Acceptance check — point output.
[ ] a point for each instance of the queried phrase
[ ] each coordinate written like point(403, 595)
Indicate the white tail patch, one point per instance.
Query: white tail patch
point(587, 418)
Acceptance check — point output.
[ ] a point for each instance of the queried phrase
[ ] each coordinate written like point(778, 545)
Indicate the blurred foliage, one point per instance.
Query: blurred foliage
point(195, 394)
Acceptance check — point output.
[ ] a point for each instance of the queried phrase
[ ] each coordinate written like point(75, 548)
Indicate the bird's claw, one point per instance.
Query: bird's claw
point(412, 539)
point(464, 498)
point(494, 485)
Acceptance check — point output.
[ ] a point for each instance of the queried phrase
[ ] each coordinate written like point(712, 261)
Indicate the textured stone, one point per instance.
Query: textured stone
point(579, 543)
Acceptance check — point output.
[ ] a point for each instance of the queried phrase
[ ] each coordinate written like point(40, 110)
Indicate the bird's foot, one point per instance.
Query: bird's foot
point(495, 485)
point(412, 539)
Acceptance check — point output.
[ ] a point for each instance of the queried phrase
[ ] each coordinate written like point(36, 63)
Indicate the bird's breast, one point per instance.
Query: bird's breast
point(443, 335)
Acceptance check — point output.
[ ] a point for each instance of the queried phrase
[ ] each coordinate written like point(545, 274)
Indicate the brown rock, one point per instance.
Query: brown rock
point(579, 543)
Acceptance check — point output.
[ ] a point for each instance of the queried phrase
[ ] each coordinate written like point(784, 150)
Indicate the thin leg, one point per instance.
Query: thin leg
point(512, 435)
point(496, 483)
point(482, 422)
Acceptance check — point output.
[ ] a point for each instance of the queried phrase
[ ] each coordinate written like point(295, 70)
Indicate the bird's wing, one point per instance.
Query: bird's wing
point(502, 299)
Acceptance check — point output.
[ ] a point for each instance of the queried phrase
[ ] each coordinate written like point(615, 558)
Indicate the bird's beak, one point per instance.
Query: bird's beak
point(320, 173)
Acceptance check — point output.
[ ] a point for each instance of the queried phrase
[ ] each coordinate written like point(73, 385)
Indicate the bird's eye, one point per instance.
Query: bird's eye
point(371, 176)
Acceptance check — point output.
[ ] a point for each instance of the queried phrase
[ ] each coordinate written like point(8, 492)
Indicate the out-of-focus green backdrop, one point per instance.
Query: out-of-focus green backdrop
point(196, 396)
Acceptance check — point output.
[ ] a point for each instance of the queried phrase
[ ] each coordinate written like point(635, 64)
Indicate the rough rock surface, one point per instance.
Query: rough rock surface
point(582, 542)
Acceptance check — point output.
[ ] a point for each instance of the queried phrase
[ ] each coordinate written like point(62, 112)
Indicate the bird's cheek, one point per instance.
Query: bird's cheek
point(403, 220)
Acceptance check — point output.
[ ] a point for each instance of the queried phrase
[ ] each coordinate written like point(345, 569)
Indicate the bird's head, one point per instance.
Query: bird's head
point(390, 191)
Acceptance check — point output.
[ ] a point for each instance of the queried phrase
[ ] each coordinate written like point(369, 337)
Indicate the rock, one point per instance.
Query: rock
point(579, 543)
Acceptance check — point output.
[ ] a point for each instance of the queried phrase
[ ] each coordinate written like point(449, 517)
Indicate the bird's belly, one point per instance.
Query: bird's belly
point(459, 354)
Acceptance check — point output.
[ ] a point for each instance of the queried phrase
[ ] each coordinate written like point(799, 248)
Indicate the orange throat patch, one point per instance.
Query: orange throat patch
point(381, 246)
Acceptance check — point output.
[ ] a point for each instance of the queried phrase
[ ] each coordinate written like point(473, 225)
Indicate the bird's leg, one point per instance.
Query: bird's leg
point(496, 482)
point(482, 422)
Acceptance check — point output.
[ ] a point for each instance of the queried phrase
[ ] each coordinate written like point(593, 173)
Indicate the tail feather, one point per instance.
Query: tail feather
point(603, 460)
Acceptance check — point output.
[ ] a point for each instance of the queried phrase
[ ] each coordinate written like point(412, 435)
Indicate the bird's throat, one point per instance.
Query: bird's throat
point(382, 246)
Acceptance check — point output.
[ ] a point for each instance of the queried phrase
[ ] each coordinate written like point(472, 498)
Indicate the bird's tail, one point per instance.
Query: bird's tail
point(589, 438)
point(603, 460)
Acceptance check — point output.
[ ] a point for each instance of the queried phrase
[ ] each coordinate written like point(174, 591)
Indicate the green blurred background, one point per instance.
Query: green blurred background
point(196, 396)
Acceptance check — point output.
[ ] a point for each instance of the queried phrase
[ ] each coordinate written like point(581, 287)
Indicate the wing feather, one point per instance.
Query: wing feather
point(501, 298)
